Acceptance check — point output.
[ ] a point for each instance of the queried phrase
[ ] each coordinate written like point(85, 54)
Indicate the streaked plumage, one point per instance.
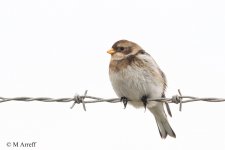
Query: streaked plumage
point(135, 75)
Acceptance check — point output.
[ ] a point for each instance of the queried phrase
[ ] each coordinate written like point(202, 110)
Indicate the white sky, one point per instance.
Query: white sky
point(56, 48)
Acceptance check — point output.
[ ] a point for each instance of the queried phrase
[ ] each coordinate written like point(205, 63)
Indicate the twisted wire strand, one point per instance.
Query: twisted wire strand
point(177, 99)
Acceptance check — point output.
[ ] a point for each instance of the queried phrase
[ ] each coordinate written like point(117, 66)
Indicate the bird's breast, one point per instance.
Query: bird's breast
point(134, 82)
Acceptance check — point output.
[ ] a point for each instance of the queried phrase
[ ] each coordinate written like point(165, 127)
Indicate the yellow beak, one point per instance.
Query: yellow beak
point(111, 51)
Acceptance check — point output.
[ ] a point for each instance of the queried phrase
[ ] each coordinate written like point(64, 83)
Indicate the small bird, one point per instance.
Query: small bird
point(135, 77)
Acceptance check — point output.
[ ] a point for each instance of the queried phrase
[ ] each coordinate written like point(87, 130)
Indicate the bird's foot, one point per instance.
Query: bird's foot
point(124, 100)
point(144, 100)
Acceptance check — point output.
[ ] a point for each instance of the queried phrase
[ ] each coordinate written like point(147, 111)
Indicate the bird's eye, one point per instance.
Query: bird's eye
point(119, 49)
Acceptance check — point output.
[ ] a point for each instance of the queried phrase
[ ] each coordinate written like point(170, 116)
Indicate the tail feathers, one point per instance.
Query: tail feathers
point(164, 128)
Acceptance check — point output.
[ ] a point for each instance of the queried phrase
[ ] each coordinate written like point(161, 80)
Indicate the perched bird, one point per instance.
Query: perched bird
point(135, 77)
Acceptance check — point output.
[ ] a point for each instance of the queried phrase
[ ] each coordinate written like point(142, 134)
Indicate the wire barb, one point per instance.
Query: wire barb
point(79, 99)
point(180, 99)
point(177, 99)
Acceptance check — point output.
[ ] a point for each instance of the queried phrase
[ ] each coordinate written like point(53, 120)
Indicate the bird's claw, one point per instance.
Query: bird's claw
point(144, 100)
point(125, 101)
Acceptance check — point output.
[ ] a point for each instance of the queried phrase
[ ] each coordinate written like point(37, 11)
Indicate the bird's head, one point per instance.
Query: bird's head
point(123, 49)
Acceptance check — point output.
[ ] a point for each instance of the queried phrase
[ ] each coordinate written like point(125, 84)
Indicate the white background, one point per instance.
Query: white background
point(56, 48)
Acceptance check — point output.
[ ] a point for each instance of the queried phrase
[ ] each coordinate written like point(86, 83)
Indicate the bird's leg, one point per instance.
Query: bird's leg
point(144, 100)
point(124, 100)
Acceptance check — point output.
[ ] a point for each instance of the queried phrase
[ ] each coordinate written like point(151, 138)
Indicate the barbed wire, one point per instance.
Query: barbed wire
point(77, 99)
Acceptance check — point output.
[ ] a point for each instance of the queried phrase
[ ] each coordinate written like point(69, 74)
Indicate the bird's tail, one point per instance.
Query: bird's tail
point(164, 128)
point(161, 120)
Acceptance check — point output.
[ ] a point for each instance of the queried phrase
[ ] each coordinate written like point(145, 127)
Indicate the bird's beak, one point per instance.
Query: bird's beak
point(111, 51)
